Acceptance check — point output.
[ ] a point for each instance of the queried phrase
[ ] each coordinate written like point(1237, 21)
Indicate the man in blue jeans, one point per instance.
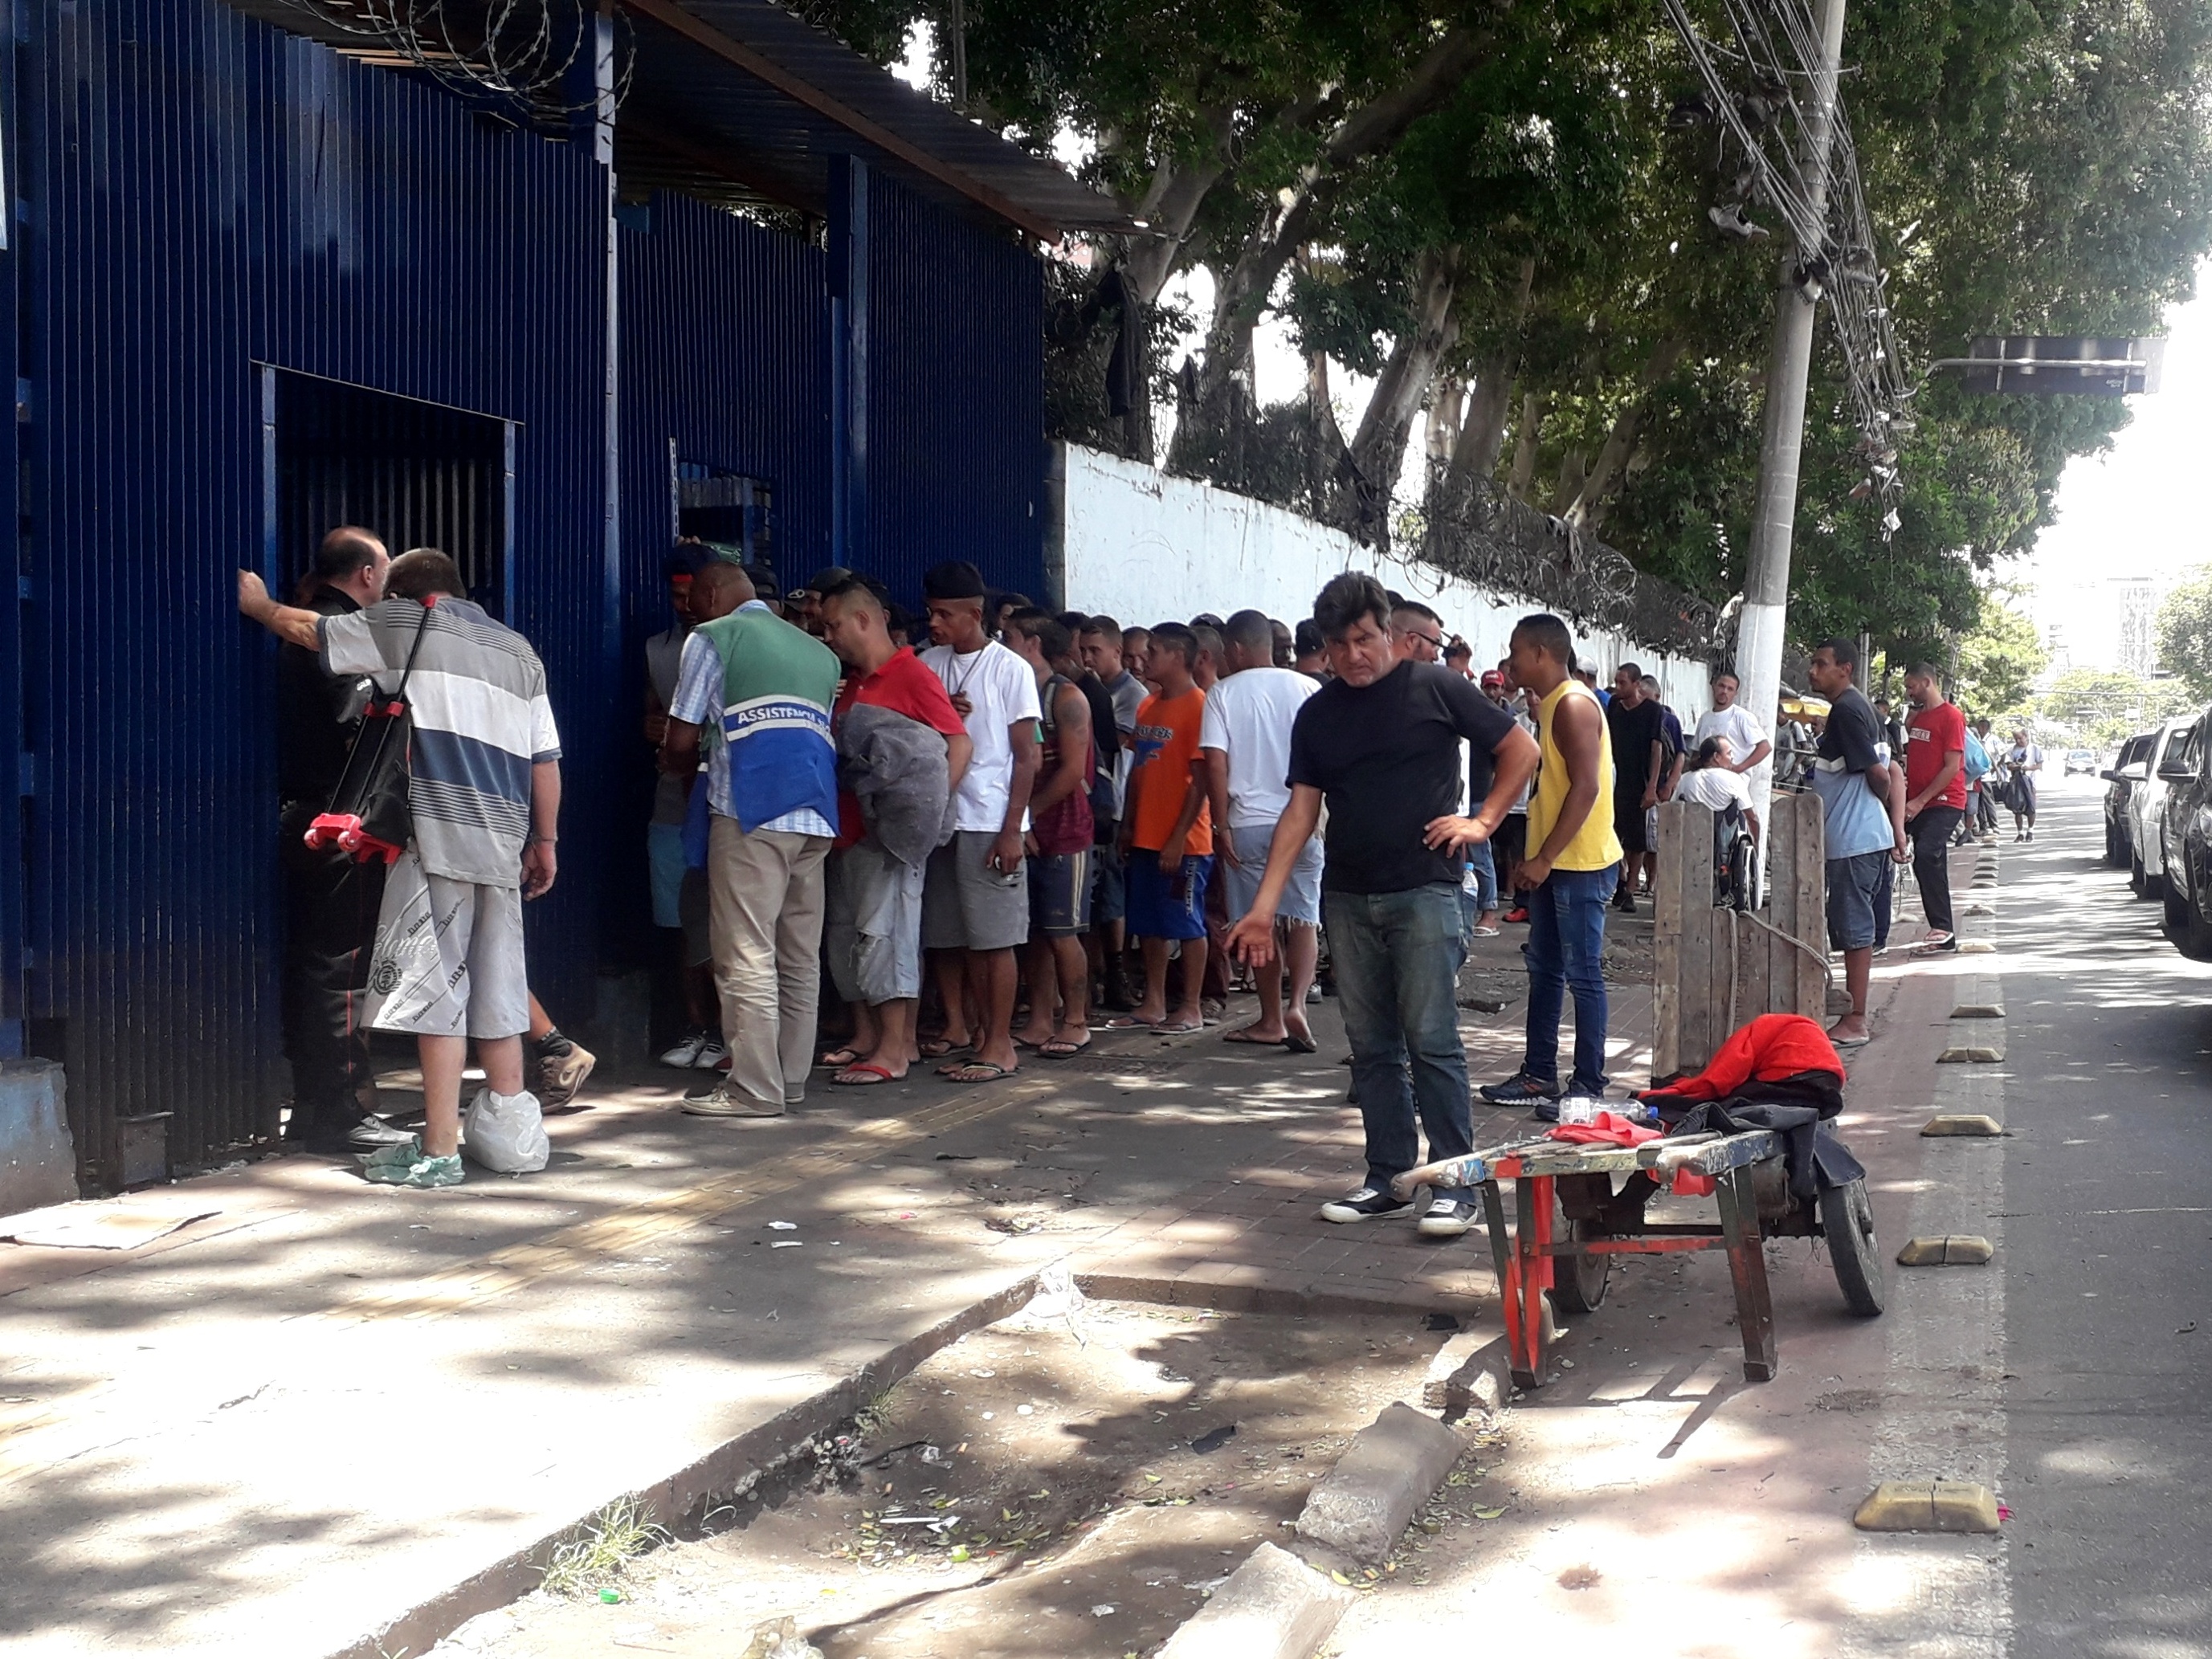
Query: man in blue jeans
point(1569, 874)
point(1381, 742)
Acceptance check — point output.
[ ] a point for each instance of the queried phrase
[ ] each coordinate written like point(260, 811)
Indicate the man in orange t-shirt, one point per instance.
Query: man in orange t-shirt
point(1167, 834)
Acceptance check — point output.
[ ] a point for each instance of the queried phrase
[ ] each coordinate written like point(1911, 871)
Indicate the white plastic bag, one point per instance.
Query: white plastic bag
point(507, 1133)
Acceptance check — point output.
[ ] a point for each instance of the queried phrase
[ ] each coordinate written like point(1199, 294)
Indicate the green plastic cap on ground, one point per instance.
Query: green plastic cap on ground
point(1928, 1506)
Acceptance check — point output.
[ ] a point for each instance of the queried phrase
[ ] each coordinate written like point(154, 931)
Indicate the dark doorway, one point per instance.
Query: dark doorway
point(418, 474)
point(729, 510)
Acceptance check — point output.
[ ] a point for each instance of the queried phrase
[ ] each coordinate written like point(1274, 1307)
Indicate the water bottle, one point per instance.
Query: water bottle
point(1637, 1111)
point(1579, 1109)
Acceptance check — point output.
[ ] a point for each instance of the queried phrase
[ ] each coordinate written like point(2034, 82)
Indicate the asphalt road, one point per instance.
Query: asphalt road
point(2108, 1287)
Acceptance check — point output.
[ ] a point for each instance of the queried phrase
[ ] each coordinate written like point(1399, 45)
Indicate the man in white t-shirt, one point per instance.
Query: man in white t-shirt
point(1747, 744)
point(1245, 737)
point(974, 896)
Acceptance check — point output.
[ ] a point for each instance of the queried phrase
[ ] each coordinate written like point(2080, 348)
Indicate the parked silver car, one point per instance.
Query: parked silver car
point(2146, 811)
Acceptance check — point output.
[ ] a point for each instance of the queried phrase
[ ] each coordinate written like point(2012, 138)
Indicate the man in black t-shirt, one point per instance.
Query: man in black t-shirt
point(1638, 728)
point(330, 903)
point(1381, 742)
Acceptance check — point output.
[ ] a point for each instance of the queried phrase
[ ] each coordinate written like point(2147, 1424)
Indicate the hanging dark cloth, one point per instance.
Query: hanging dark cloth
point(1796, 1107)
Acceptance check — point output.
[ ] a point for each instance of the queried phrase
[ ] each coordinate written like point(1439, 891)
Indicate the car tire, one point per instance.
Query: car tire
point(2190, 934)
point(2153, 880)
point(2136, 878)
point(2112, 855)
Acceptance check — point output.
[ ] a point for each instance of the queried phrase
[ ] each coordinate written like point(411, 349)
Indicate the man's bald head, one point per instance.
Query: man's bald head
point(719, 589)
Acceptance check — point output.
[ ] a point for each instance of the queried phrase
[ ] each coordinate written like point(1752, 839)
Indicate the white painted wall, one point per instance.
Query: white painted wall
point(1143, 547)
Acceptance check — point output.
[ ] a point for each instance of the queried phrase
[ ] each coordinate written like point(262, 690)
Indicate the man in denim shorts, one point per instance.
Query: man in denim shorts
point(1864, 800)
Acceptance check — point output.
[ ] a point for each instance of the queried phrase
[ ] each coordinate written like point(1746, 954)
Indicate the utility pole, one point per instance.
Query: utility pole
point(1765, 617)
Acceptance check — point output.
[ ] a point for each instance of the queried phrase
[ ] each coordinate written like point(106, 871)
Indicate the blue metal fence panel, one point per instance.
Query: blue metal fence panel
point(204, 194)
point(724, 352)
point(955, 355)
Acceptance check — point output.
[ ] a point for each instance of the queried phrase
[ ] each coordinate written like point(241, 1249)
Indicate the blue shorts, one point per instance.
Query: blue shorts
point(665, 860)
point(1161, 908)
point(1109, 900)
point(1855, 886)
point(1060, 894)
point(1240, 882)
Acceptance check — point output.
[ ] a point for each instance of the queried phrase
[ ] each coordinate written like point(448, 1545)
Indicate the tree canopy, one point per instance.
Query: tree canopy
point(1999, 660)
point(2185, 633)
point(1497, 212)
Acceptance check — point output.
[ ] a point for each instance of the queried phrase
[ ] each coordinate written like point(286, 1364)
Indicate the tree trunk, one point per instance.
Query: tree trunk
point(1379, 448)
point(1611, 467)
point(1241, 291)
point(1324, 440)
point(1483, 432)
point(1440, 432)
point(1524, 447)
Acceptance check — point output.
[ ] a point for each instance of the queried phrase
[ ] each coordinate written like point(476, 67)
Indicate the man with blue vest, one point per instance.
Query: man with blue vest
point(772, 805)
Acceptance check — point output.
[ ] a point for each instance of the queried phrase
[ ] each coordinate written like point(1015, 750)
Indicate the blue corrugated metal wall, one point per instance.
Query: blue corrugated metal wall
point(723, 353)
point(955, 420)
point(204, 192)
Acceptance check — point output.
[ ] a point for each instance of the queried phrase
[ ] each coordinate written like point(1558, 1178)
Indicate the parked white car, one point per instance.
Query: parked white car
point(2146, 814)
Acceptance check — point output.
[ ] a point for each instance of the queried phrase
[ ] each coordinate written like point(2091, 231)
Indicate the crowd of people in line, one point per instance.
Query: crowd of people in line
point(997, 829)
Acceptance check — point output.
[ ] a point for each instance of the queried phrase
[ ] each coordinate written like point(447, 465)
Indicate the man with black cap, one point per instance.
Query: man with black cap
point(330, 903)
point(975, 902)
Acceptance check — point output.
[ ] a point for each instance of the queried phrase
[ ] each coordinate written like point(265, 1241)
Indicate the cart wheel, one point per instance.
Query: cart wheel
point(1578, 1282)
point(1847, 1221)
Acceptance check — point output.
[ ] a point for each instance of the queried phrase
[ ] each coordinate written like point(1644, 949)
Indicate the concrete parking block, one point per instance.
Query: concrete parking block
point(1962, 1123)
point(1971, 1053)
point(1390, 1467)
point(1950, 1250)
point(1472, 1371)
point(1274, 1607)
point(1978, 1011)
point(1976, 947)
point(1928, 1506)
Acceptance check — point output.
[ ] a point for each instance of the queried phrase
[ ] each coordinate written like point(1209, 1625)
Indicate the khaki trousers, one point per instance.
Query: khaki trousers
point(765, 890)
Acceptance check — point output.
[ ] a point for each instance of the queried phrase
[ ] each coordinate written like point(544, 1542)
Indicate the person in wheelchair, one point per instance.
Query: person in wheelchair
point(1711, 781)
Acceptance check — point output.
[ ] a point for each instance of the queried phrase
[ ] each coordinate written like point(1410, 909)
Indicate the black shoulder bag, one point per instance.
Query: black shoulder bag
point(369, 817)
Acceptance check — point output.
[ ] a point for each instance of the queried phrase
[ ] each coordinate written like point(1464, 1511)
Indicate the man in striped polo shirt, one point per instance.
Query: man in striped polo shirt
point(771, 804)
point(484, 794)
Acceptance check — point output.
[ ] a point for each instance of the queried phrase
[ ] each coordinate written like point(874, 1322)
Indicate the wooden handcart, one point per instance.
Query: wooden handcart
point(1569, 1223)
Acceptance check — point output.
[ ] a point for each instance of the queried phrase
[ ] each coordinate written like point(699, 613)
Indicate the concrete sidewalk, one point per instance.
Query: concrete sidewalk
point(337, 1420)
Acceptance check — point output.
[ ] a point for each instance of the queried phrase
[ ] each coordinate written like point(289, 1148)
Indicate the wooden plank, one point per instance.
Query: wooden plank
point(1726, 1005)
point(1697, 966)
point(1667, 945)
point(1811, 908)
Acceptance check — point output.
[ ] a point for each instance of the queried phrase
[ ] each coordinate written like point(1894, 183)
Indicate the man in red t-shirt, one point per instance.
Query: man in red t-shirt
point(873, 935)
point(1935, 797)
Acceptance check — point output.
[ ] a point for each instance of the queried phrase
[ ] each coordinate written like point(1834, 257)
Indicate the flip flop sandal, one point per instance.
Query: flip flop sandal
point(1130, 1022)
point(1244, 1034)
point(1301, 1045)
point(938, 1048)
point(866, 1074)
point(1850, 1042)
point(978, 1071)
point(838, 1060)
point(1060, 1048)
point(1178, 1030)
point(1486, 933)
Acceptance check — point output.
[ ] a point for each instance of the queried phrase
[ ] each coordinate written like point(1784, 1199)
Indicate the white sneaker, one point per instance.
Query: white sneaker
point(685, 1055)
point(712, 1052)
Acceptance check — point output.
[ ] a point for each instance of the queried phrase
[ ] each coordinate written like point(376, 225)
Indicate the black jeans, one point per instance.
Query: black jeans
point(330, 923)
point(1931, 861)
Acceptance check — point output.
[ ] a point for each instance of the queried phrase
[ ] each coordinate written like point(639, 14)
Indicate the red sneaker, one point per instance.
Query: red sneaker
point(1519, 912)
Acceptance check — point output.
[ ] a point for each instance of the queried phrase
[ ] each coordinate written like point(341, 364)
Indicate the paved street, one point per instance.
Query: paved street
point(331, 1420)
point(2108, 1270)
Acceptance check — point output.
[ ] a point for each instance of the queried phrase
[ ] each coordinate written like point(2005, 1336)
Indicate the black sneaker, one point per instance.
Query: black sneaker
point(1364, 1204)
point(1447, 1218)
point(1520, 1089)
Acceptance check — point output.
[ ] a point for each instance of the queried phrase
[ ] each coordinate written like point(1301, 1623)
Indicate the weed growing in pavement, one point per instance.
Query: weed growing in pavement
point(614, 1538)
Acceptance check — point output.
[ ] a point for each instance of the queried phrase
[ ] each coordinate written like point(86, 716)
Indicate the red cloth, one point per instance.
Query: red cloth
point(1772, 1047)
point(1610, 1129)
point(1930, 735)
point(906, 686)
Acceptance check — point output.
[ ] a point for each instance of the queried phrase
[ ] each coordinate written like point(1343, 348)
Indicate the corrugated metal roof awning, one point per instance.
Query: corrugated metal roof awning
point(742, 93)
point(746, 92)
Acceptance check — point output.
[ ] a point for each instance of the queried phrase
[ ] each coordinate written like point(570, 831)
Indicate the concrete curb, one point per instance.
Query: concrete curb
point(1274, 1607)
point(687, 1494)
point(1471, 1371)
point(1358, 1509)
point(1263, 1298)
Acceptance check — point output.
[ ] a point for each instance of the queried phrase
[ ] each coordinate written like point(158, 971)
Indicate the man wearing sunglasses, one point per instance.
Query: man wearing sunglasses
point(1417, 632)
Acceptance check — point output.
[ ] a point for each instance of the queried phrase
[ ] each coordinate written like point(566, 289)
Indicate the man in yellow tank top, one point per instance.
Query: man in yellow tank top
point(1572, 867)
